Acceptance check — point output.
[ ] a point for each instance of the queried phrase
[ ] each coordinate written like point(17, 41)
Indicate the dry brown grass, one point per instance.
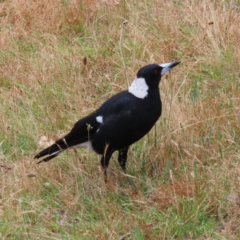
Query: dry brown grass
point(44, 17)
point(59, 60)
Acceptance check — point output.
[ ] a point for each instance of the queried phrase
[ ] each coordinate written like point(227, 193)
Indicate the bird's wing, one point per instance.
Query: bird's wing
point(126, 119)
point(122, 117)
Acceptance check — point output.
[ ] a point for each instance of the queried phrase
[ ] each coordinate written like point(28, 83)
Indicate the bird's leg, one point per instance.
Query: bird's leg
point(104, 162)
point(122, 158)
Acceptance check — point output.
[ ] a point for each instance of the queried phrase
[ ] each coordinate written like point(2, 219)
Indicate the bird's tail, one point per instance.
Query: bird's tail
point(52, 151)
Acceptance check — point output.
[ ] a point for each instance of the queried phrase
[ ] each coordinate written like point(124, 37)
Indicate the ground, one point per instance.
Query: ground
point(59, 60)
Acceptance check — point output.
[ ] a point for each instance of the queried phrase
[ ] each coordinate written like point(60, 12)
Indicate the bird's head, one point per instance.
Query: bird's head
point(152, 73)
point(148, 77)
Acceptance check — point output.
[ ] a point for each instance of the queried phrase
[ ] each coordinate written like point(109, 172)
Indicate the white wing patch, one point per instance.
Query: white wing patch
point(99, 119)
point(139, 88)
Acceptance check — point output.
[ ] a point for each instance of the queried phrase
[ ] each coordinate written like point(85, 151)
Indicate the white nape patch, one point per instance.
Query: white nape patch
point(139, 88)
point(87, 145)
point(99, 119)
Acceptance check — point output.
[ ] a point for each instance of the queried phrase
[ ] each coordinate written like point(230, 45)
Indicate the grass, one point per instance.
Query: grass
point(61, 59)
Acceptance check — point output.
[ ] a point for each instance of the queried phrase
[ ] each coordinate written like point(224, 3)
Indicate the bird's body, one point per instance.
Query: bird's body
point(119, 122)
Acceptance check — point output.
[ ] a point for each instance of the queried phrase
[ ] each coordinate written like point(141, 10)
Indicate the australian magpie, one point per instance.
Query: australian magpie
point(119, 122)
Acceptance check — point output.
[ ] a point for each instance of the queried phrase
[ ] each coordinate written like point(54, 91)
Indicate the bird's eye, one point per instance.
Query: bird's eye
point(156, 71)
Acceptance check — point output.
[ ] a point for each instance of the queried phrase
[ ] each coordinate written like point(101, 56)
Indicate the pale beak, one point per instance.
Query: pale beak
point(168, 66)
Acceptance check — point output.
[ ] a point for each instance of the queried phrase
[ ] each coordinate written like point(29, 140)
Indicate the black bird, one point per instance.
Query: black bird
point(119, 122)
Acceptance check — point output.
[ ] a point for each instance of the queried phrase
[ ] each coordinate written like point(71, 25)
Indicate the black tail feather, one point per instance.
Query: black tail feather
point(53, 150)
point(49, 158)
point(59, 146)
point(71, 139)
